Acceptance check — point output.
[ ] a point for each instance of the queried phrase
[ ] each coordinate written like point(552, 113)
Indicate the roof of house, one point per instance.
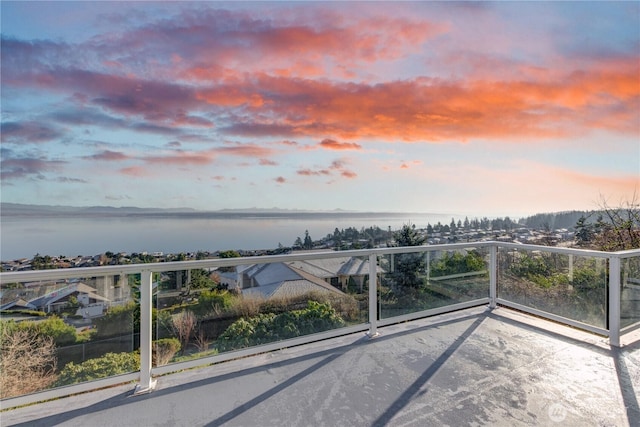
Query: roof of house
point(59, 294)
point(282, 280)
point(333, 267)
point(18, 303)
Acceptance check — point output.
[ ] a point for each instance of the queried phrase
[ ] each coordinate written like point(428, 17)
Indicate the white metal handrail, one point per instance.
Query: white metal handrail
point(145, 376)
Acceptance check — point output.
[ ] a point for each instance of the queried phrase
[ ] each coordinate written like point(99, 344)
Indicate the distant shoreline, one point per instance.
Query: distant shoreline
point(46, 211)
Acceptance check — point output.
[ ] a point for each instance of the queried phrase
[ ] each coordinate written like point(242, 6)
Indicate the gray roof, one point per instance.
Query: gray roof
point(267, 274)
point(61, 293)
point(334, 267)
point(282, 280)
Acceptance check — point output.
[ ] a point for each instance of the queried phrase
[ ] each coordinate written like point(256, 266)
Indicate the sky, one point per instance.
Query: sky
point(507, 108)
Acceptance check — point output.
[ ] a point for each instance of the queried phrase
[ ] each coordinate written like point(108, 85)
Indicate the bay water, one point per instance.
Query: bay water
point(25, 236)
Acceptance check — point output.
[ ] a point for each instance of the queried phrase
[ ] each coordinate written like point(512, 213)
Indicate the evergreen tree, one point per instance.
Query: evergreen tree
point(584, 232)
point(308, 242)
point(407, 270)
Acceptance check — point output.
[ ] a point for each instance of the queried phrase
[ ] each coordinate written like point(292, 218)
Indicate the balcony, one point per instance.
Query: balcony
point(496, 342)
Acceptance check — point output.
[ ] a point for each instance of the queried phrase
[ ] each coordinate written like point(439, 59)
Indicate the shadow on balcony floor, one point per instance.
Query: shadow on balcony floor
point(474, 367)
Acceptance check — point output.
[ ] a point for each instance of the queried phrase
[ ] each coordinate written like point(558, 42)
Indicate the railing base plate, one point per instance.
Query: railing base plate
point(144, 390)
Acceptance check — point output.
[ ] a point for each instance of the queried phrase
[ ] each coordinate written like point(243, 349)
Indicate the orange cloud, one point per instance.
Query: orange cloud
point(430, 109)
point(330, 144)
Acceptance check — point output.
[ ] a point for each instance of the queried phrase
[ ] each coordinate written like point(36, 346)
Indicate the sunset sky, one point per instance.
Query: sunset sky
point(474, 108)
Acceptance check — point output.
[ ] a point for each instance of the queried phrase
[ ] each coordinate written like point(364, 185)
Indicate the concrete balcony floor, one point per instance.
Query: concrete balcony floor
point(470, 368)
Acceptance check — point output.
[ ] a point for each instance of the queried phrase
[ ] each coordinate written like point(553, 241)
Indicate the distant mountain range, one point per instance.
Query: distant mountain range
point(18, 209)
point(552, 220)
point(12, 209)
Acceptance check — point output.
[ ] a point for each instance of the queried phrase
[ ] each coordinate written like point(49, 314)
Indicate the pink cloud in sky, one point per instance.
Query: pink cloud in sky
point(244, 150)
point(598, 95)
point(267, 162)
point(181, 158)
point(137, 171)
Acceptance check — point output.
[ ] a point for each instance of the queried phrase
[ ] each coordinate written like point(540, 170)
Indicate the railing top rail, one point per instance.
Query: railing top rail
point(628, 253)
point(570, 251)
point(70, 273)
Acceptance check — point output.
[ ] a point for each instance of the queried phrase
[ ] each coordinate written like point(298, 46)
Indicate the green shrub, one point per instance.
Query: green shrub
point(547, 282)
point(118, 320)
point(23, 313)
point(85, 335)
point(110, 364)
point(54, 327)
point(213, 302)
point(457, 263)
point(527, 265)
point(163, 350)
point(269, 327)
point(588, 278)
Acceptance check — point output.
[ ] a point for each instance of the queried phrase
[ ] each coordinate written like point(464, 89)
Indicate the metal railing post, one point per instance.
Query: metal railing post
point(373, 295)
point(614, 301)
point(493, 275)
point(147, 384)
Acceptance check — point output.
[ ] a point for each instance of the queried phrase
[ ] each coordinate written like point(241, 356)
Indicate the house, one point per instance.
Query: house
point(58, 299)
point(274, 280)
point(337, 271)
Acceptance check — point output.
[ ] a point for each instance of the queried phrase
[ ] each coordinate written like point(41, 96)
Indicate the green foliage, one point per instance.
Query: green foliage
point(408, 236)
point(456, 263)
point(200, 279)
point(270, 327)
point(118, 320)
point(588, 277)
point(541, 271)
point(72, 304)
point(23, 313)
point(164, 323)
point(408, 269)
point(213, 302)
point(85, 336)
point(547, 282)
point(102, 367)
point(53, 327)
point(229, 254)
point(40, 262)
point(308, 241)
point(584, 232)
point(527, 265)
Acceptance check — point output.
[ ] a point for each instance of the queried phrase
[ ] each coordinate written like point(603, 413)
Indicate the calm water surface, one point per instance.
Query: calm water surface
point(25, 236)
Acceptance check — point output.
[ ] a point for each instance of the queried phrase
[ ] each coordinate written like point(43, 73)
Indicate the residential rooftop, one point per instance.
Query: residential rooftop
point(471, 367)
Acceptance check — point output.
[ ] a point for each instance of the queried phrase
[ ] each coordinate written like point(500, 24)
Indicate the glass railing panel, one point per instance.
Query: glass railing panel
point(630, 295)
point(567, 285)
point(204, 312)
point(418, 281)
point(62, 332)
